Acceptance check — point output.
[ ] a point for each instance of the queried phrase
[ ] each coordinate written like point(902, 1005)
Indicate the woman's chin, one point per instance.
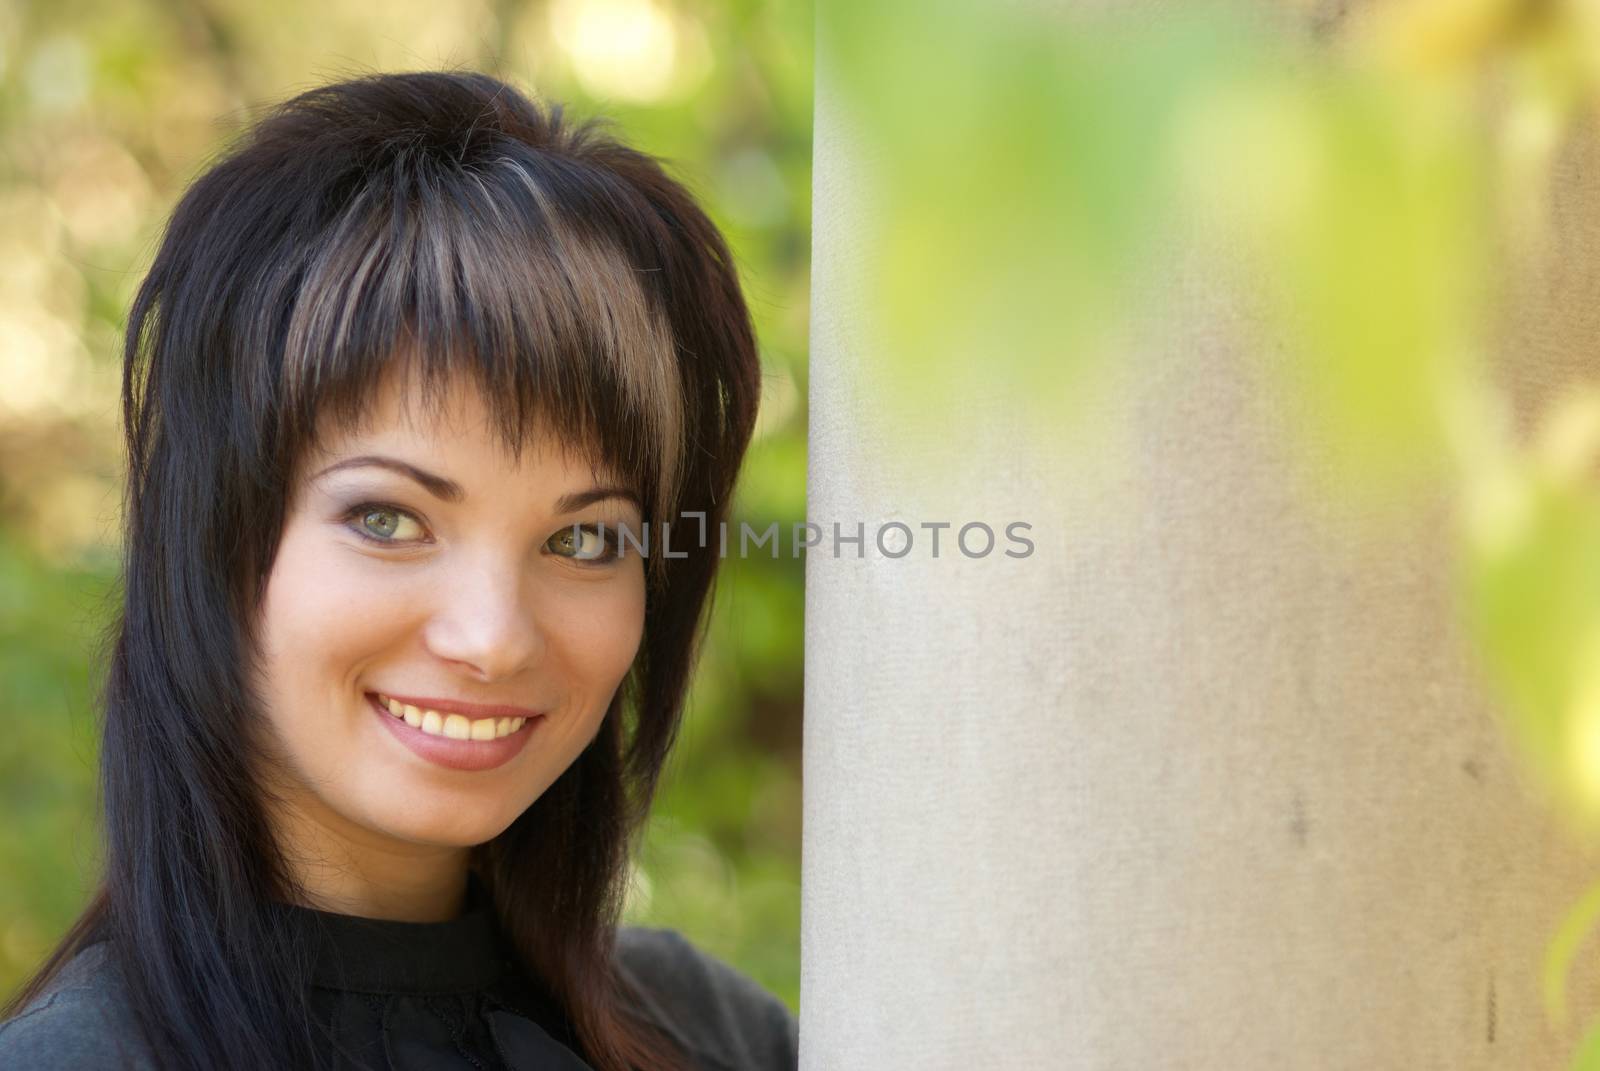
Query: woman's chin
point(463, 824)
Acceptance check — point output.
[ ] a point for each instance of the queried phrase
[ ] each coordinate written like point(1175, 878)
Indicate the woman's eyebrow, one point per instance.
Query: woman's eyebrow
point(578, 499)
point(448, 490)
point(438, 486)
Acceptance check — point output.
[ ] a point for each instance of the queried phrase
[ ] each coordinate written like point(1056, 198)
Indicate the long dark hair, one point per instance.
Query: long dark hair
point(447, 218)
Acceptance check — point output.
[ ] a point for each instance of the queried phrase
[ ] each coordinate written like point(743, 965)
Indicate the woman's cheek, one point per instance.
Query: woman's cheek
point(598, 629)
point(330, 612)
point(318, 599)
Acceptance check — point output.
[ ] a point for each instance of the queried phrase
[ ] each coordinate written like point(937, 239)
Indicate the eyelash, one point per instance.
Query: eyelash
point(356, 513)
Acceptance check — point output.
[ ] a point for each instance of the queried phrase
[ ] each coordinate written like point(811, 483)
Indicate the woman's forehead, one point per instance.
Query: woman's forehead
point(454, 415)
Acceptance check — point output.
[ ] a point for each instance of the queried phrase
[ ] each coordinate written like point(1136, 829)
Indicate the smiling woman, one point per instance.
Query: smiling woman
point(387, 707)
point(476, 612)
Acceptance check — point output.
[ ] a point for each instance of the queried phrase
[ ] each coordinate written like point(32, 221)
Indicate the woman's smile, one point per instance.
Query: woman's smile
point(454, 740)
point(455, 719)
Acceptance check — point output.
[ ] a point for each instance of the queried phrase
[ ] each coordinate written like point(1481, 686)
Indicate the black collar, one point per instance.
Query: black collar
point(386, 956)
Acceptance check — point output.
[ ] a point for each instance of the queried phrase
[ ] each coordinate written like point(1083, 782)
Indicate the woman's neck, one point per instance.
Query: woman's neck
point(407, 889)
point(348, 870)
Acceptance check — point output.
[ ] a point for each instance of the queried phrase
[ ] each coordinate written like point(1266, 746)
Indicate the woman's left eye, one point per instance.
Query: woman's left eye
point(378, 523)
point(583, 542)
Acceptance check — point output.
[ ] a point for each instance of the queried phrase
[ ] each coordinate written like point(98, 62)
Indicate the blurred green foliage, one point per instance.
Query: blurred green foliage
point(108, 108)
point(1051, 139)
point(1345, 207)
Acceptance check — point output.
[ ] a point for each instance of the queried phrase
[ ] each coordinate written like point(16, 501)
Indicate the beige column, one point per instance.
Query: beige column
point(1206, 781)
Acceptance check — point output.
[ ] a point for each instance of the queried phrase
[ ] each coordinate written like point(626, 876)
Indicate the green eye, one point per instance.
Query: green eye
point(382, 522)
point(582, 543)
point(386, 524)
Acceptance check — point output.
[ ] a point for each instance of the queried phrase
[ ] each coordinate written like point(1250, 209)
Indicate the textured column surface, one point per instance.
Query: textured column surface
point(1207, 781)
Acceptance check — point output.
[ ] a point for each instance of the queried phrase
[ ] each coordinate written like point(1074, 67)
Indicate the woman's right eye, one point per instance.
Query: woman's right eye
point(378, 523)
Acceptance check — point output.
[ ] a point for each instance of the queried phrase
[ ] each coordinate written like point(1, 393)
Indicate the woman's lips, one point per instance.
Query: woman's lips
point(456, 706)
point(451, 751)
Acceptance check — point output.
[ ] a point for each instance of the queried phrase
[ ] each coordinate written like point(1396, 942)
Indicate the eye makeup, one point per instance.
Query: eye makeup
point(354, 518)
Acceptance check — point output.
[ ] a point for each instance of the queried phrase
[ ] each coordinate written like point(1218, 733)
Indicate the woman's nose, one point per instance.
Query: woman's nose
point(485, 623)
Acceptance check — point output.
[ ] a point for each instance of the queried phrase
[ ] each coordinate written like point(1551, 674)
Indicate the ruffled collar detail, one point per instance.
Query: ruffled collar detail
point(388, 956)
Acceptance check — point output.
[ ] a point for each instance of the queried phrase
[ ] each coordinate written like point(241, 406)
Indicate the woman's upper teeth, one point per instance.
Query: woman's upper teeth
point(454, 726)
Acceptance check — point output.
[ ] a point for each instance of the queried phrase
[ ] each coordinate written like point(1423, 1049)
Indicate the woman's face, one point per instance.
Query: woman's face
point(455, 589)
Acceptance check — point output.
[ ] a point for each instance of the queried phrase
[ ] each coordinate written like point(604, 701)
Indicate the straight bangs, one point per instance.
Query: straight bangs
point(450, 272)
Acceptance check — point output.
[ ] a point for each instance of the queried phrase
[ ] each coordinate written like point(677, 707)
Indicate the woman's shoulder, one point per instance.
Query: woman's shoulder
point(81, 1020)
point(724, 1017)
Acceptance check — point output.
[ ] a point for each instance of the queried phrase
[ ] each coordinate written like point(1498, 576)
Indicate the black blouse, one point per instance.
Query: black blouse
point(408, 996)
point(431, 995)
